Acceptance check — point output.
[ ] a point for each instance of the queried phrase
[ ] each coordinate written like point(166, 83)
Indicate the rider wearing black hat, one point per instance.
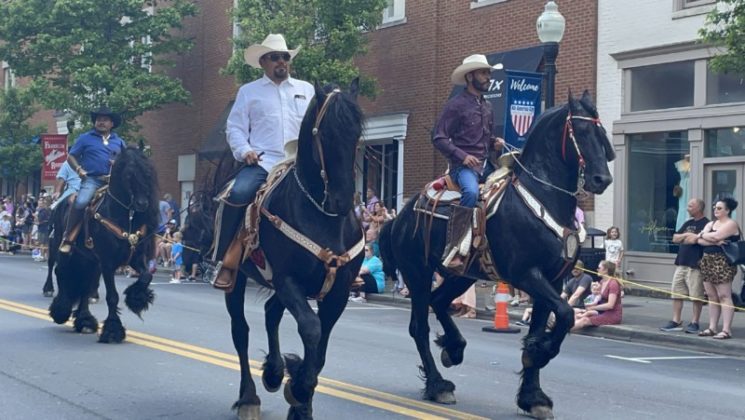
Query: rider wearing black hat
point(91, 157)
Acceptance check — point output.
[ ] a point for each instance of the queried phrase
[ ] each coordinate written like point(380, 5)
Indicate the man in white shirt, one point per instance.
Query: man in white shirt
point(267, 113)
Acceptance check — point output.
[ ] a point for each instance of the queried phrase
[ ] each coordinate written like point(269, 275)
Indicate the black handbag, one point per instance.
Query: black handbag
point(734, 252)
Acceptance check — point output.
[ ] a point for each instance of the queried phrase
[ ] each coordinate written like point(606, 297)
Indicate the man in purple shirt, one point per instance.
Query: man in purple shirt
point(465, 135)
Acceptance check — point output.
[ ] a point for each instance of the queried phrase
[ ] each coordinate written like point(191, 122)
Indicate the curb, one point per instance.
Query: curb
point(629, 333)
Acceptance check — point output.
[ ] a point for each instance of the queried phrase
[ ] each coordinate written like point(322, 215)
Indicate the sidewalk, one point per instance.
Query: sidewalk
point(642, 318)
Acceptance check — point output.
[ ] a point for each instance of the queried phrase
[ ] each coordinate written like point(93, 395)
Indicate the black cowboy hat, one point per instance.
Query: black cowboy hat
point(115, 118)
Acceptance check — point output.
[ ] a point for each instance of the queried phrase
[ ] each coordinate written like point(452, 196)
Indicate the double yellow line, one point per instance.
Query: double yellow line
point(358, 394)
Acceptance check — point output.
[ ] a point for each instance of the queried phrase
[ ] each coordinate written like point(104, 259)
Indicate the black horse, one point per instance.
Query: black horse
point(315, 198)
point(566, 148)
point(127, 219)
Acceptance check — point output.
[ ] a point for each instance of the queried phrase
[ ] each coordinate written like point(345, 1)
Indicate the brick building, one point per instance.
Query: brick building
point(412, 55)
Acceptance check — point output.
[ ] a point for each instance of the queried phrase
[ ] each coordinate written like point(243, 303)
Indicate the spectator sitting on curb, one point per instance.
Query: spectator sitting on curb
point(687, 278)
point(371, 278)
point(577, 288)
point(609, 310)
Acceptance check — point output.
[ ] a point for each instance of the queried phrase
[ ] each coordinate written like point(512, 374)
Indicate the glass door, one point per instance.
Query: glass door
point(724, 180)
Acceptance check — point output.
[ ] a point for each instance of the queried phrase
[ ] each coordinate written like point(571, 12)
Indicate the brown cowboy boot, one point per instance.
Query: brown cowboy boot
point(459, 227)
point(227, 270)
point(74, 221)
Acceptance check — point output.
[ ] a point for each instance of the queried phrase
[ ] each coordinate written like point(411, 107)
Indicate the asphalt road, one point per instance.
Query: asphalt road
point(178, 362)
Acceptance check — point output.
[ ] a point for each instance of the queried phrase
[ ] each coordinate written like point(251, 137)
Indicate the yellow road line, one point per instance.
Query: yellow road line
point(370, 397)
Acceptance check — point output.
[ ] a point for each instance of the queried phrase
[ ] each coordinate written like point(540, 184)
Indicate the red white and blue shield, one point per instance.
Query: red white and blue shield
point(522, 113)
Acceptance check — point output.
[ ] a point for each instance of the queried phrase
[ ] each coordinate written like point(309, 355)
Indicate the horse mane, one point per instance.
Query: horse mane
point(133, 166)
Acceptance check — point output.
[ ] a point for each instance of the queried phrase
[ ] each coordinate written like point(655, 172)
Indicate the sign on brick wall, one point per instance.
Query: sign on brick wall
point(522, 106)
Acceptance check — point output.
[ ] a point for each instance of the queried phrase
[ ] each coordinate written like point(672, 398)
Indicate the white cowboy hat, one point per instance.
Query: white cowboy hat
point(471, 63)
point(272, 43)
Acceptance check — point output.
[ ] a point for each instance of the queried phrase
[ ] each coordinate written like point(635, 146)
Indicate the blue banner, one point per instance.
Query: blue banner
point(522, 106)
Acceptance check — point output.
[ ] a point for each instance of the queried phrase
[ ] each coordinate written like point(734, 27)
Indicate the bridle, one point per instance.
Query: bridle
point(319, 146)
point(568, 132)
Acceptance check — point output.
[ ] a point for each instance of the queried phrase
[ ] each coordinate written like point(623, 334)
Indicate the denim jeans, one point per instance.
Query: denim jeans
point(468, 180)
point(247, 184)
point(87, 190)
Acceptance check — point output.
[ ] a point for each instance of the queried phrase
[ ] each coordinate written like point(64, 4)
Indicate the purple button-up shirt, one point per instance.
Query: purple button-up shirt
point(465, 128)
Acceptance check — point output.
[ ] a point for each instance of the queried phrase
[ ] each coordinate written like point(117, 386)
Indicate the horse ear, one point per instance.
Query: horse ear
point(571, 101)
point(586, 96)
point(354, 88)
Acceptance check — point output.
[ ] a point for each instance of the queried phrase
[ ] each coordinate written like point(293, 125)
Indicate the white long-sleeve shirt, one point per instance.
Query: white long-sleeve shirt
point(265, 116)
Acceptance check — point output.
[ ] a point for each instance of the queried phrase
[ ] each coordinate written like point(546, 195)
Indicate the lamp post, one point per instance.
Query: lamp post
point(550, 27)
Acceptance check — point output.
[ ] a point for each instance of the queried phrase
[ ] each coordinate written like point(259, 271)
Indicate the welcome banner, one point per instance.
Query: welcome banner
point(54, 150)
point(523, 105)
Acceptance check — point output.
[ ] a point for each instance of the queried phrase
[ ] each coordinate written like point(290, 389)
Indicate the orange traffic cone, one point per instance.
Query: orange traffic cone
point(501, 319)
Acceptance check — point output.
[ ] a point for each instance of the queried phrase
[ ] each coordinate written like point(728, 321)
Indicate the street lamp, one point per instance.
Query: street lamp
point(550, 27)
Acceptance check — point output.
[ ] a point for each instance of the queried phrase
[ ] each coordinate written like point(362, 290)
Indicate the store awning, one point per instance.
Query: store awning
point(215, 145)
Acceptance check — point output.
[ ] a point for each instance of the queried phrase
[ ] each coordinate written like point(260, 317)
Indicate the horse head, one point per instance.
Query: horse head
point(134, 182)
point(589, 143)
point(327, 145)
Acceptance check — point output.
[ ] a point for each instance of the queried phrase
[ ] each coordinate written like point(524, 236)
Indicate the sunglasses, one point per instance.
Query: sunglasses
point(274, 57)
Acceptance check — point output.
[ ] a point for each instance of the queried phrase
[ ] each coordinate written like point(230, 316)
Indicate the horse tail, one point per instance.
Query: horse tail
point(385, 242)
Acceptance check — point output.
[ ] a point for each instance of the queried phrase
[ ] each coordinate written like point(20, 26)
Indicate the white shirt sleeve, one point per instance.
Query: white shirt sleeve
point(236, 128)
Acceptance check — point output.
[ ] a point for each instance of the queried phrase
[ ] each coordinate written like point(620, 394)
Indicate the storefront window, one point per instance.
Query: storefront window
point(722, 88)
point(659, 187)
point(723, 142)
point(662, 86)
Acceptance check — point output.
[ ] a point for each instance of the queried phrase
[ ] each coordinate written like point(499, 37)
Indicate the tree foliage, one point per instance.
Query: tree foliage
point(331, 33)
point(725, 27)
point(20, 156)
point(82, 54)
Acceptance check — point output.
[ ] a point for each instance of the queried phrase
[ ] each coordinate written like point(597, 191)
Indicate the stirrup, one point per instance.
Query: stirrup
point(211, 272)
point(65, 247)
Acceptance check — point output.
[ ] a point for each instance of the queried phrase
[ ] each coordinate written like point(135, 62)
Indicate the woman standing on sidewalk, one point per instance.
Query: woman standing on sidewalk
point(715, 272)
point(609, 311)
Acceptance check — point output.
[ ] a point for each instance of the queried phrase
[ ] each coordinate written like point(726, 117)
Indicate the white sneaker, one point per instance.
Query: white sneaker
point(515, 302)
point(358, 299)
point(175, 281)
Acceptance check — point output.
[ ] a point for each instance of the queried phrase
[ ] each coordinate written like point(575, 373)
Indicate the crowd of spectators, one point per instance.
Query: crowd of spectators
point(24, 224)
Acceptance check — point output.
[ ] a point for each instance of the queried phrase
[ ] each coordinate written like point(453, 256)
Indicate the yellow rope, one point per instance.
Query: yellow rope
point(667, 292)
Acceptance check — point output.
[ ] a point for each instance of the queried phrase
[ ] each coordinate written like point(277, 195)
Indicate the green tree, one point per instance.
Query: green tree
point(331, 32)
point(725, 27)
point(20, 156)
point(81, 54)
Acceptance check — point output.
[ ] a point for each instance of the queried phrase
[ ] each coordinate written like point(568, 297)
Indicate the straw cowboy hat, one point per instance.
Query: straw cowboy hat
point(116, 119)
point(272, 43)
point(470, 63)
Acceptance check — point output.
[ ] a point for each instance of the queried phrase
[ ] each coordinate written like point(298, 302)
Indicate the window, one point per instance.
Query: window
point(658, 188)
point(9, 77)
point(662, 86)
point(480, 3)
point(687, 4)
point(724, 88)
point(380, 172)
point(724, 142)
point(395, 12)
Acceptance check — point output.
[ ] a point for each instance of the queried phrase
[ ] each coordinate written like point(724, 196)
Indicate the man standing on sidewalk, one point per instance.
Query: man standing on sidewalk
point(687, 279)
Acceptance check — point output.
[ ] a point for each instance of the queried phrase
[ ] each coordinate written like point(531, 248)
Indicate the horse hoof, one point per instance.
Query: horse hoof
point(249, 412)
point(270, 388)
point(289, 397)
point(445, 358)
point(87, 330)
point(49, 293)
point(541, 412)
point(445, 397)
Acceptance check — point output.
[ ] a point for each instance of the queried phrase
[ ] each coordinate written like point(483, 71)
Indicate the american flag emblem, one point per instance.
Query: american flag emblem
point(522, 113)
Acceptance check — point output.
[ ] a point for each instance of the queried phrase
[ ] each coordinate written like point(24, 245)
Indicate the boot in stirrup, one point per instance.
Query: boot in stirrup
point(74, 220)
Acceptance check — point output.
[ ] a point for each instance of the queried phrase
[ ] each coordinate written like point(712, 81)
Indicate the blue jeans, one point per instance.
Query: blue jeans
point(87, 190)
point(468, 180)
point(247, 184)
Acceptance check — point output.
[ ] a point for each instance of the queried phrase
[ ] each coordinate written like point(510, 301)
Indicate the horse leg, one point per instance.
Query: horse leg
point(138, 296)
point(451, 341)
point(48, 288)
point(61, 307)
point(303, 372)
point(85, 322)
point(113, 331)
point(248, 404)
point(436, 388)
point(540, 347)
point(274, 364)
